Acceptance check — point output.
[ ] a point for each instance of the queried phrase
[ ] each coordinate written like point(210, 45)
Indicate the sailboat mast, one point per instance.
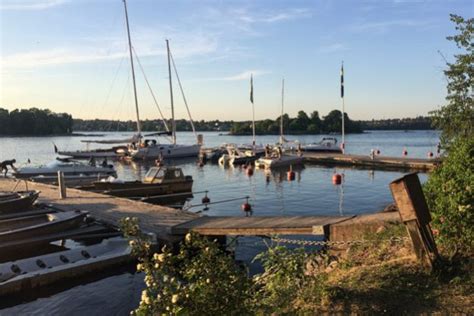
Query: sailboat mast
point(343, 106)
point(133, 69)
point(282, 103)
point(173, 123)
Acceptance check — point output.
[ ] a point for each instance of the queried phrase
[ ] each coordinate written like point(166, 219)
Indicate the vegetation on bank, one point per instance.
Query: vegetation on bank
point(34, 122)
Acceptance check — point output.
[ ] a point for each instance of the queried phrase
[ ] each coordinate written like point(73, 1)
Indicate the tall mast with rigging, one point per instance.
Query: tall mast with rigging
point(282, 103)
point(173, 123)
point(133, 69)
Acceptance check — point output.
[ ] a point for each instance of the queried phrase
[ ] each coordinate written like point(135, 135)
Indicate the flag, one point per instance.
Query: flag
point(251, 88)
point(342, 81)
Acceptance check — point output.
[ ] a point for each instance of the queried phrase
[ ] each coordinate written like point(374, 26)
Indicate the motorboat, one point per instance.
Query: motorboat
point(38, 225)
point(327, 144)
point(236, 156)
point(11, 202)
point(157, 182)
point(31, 273)
point(277, 160)
point(68, 166)
point(111, 153)
point(71, 181)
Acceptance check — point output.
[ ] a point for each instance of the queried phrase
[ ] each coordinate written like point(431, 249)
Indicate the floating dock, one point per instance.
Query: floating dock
point(378, 162)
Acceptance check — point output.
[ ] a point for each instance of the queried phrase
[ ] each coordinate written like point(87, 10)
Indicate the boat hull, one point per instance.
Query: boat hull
point(22, 202)
point(166, 152)
point(284, 161)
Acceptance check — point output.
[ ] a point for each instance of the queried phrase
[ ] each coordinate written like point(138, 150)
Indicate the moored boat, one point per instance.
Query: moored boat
point(157, 181)
point(68, 166)
point(17, 201)
point(37, 225)
point(32, 273)
point(327, 144)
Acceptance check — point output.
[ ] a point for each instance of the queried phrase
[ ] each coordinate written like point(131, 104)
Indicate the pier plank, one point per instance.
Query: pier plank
point(153, 218)
point(258, 225)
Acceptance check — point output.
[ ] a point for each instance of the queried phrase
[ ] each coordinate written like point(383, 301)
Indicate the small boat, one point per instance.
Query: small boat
point(113, 152)
point(32, 273)
point(157, 181)
point(11, 202)
point(277, 160)
point(236, 156)
point(37, 225)
point(71, 181)
point(68, 166)
point(327, 144)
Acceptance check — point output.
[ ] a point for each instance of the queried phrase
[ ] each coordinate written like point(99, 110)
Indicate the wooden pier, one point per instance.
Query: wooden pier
point(378, 162)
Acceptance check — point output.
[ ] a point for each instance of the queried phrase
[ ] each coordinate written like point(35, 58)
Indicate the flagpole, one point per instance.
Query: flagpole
point(343, 107)
point(253, 111)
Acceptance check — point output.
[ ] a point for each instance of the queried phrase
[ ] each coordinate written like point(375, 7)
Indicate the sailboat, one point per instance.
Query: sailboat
point(276, 158)
point(155, 150)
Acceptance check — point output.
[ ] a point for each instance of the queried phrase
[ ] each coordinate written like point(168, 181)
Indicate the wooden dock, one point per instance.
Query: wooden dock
point(153, 218)
point(379, 162)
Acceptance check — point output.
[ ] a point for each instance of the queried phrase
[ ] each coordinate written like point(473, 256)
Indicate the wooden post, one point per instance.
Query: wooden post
point(62, 185)
point(414, 212)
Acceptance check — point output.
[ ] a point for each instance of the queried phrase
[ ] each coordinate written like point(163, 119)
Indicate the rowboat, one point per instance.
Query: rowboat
point(38, 225)
point(157, 181)
point(17, 201)
point(32, 273)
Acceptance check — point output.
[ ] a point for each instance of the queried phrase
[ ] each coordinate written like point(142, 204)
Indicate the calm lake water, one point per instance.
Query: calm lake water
point(312, 193)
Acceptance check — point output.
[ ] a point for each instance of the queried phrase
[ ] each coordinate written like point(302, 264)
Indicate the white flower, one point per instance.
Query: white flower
point(188, 237)
point(174, 298)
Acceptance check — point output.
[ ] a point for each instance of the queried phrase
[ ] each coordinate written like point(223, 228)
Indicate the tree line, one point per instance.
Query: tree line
point(34, 122)
point(417, 123)
point(301, 124)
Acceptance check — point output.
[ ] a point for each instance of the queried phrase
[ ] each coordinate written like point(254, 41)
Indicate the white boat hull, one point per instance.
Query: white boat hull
point(166, 152)
point(283, 161)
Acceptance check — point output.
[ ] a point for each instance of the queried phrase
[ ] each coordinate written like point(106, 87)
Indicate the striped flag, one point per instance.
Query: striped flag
point(251, 88)
point(342, 80)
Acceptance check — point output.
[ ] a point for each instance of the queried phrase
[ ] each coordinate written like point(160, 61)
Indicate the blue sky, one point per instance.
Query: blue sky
point(71, 56)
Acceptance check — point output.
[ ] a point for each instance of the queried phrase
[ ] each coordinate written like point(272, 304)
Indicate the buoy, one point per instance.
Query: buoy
point(430, 154)
point(336, 179)
point(290, 175)
point(246, 207)
point(249, 171)
point(206, 199)
point(405, 152)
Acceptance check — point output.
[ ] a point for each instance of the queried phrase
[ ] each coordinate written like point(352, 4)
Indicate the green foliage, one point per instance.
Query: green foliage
point(200, 280)
point(449, 193)
point(34, 122)
point(456, 118)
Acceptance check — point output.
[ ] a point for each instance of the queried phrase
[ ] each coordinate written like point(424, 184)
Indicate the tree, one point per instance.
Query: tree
point(456, 118)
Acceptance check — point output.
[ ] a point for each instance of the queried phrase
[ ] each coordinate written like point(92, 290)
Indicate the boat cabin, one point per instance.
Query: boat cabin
point(162, 175)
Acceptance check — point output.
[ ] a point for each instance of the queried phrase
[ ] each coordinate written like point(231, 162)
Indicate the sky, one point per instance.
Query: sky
point(72, 56)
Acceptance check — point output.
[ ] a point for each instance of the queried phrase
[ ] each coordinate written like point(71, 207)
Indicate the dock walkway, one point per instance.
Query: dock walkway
point(379, 162)
point(109, 209)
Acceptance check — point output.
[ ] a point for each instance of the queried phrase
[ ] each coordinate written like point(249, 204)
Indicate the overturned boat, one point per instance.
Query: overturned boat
point(38, 225)
point(11, 202)
point(157, 181)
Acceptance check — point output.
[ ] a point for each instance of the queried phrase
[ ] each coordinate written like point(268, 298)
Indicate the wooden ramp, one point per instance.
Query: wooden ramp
point(379, 162)
point(153, 218)
point(258, 225)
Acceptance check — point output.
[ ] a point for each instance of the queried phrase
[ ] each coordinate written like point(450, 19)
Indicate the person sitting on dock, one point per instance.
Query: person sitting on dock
point(4, 166)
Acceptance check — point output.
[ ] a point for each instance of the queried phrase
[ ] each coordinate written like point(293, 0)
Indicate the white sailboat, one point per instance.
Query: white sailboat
point(156, 150)
point(277, 159)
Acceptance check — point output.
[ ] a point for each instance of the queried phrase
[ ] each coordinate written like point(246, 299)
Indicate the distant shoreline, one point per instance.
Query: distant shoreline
point(54, 135)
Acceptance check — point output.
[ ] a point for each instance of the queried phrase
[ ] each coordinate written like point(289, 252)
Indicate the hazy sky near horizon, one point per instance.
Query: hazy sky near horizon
point(71, 56)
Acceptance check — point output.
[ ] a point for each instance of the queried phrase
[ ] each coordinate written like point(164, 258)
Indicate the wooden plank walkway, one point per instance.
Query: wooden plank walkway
point(258, 225)
point(379, 162)
point(153, 218)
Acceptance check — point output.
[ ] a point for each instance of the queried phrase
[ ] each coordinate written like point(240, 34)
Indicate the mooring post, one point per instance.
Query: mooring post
point(414, 212)
point(62, 185)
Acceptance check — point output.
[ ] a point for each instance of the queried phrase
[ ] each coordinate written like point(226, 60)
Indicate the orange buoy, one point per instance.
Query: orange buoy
point(290, 175)
point(206, 199)
point(246, 207)
point(249, 171)
point(337, 179)
point(430, 154)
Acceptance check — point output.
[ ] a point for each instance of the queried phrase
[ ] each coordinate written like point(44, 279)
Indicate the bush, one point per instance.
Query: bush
point(449, 196)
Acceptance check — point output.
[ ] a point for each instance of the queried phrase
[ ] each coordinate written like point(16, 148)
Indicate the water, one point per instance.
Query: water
point(312, 193)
